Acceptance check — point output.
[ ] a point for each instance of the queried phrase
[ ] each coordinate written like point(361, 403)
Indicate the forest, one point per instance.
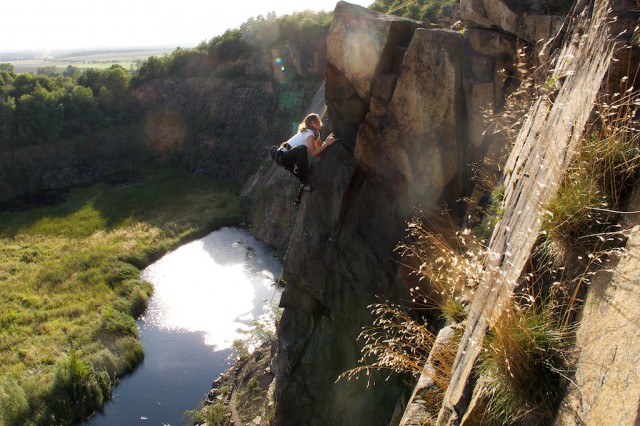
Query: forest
point(58, 104)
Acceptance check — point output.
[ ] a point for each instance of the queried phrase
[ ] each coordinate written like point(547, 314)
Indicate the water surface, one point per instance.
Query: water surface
point(207, 293)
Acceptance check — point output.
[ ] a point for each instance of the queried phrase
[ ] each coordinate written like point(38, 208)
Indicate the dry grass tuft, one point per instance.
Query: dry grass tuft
point(524, 364)
point(448, 269)
point(395, 342)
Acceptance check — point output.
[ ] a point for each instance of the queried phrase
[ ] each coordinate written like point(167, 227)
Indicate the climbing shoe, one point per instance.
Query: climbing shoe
point(304, 186)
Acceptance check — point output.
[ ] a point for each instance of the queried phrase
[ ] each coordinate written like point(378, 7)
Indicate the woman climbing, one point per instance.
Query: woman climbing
point(293, 153)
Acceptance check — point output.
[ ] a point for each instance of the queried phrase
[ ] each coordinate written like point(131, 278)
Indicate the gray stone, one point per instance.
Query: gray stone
point(522, 20)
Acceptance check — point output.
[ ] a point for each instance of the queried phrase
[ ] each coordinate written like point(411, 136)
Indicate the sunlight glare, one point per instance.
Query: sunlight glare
point(200, 289)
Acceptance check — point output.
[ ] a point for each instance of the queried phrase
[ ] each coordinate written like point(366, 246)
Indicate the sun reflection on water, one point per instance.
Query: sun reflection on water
point(217, 285)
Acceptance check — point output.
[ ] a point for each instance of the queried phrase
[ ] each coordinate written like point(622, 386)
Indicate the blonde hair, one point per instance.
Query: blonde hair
point(306, 123)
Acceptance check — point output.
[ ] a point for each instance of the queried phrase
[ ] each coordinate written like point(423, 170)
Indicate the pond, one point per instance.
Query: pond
point(207, 294)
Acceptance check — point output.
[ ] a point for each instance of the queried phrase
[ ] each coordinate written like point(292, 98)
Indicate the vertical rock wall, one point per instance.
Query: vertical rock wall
point(408, 103)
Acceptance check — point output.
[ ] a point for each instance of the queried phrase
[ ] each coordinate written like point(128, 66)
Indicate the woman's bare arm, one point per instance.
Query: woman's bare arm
point(317, 147)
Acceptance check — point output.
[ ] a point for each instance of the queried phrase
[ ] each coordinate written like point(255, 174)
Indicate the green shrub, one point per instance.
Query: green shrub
point(113, 321)
point(106, 361)
point(116, 272)
point(51, 275)
point(77, 389)
point(14, 406)
point(492, 213)
point(453, 311)
point(215, 415)
point(133, 352)
point(240, 349)
point(134, 296)
point(573, 219)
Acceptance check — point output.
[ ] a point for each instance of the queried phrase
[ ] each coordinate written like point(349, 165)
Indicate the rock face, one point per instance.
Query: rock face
point(410, 116)
point(537, 164)
point(523, 19)
point(607, 382)
point(219, 127)
point(34, 169)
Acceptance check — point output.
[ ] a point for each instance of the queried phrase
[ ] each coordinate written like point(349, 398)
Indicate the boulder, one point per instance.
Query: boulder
point(416, 152)
point(360, 40)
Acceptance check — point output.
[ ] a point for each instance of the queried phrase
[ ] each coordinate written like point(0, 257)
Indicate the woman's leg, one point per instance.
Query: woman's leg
point(296, 160)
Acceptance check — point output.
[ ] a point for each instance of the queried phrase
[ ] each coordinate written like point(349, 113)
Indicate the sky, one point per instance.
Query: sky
point(91, 24)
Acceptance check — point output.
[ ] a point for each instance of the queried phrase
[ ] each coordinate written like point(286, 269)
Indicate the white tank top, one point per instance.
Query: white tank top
point(300, 138)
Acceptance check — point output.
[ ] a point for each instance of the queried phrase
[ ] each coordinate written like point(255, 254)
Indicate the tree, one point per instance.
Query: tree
point(150, 69)
point(7, 118)
point(80, 115)
point(71, 71)
point(51, 71)
point(116, 80)
point(39, 116)
point(7, 67)
point(91, 78)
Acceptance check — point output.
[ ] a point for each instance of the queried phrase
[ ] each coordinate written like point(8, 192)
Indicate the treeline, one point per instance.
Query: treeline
point(417, 9)
point(42, 109)
point(223, 56)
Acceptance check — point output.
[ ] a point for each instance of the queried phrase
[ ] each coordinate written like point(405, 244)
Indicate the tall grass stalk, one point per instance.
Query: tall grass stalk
point(395, 342)
point(448, 268)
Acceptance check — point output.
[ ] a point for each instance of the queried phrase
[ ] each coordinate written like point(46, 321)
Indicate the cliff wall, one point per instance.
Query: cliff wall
point(29, 170)
point(408, 102)
point(219, 127)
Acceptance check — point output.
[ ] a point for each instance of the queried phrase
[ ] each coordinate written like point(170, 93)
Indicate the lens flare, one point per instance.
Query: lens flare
point(280, 64)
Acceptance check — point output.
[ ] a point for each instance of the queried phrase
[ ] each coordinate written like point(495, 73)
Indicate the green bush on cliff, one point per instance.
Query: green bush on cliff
point(214, 415)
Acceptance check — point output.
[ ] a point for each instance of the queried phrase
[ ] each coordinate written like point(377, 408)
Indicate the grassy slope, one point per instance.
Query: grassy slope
point(69, 290)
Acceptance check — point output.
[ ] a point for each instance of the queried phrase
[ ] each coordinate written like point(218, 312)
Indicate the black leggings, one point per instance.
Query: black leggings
point(295, 160)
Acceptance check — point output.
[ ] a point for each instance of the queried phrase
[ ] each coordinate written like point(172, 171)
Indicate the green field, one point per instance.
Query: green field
point(84, 60)
point(70, 288)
